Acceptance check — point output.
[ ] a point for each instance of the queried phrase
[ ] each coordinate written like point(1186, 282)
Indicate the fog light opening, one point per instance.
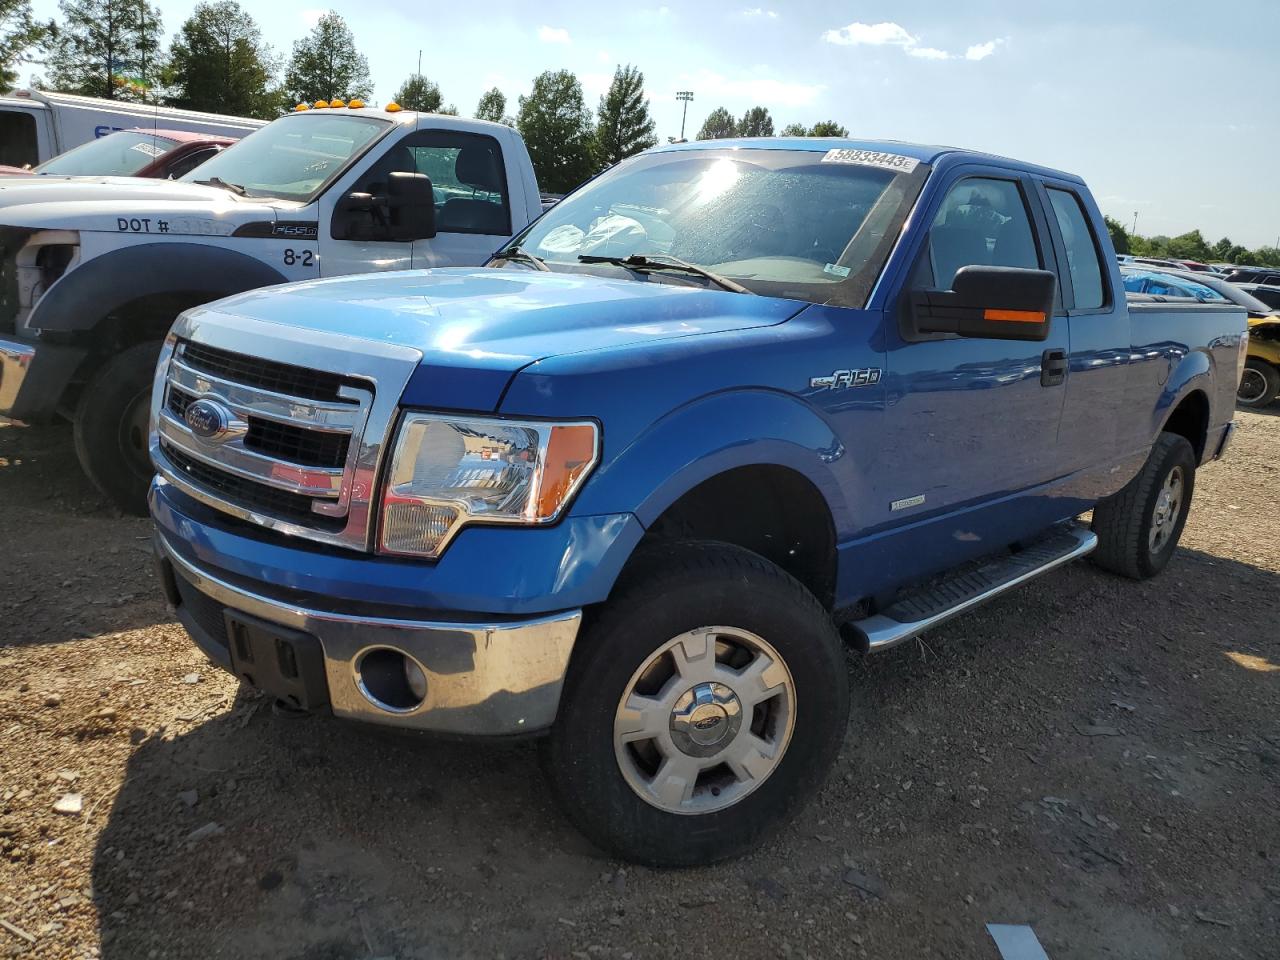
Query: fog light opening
point(391, 680)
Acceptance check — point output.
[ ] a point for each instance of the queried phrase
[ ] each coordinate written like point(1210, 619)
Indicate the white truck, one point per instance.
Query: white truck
point(93, 271)
point(36, 126)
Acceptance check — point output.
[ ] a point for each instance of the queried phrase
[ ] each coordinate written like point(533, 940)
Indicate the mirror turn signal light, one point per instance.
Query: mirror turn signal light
point(1014, 316)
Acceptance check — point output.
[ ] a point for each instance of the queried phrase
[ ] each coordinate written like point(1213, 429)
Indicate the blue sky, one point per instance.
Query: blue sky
point(1166, 107)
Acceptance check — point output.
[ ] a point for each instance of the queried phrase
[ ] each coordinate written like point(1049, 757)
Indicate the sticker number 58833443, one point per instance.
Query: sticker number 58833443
point(303, 258)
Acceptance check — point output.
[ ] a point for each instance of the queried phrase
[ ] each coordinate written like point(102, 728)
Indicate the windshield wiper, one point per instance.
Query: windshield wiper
point(643, 262)
point(219, 182)
point(523, 256)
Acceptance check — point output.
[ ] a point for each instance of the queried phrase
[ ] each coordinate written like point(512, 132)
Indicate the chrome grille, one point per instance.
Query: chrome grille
point(291, 423)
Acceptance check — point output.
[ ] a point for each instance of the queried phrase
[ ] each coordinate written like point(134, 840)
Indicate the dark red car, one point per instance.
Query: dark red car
point(161, 154)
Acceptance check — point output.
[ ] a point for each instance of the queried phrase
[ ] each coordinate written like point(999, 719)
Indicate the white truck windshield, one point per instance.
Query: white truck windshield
point(793, 223)
point(293, 158)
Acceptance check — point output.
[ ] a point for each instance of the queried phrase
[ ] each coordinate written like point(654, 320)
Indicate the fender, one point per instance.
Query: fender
point(83, 296)
point(1193, 372)
point(715, 434)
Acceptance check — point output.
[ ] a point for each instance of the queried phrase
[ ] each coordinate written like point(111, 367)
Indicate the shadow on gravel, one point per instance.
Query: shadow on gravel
point(310, 839)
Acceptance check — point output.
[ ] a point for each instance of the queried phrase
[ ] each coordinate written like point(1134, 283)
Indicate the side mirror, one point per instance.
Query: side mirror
point(997, 303)
point(411, 207)
point(356, 203)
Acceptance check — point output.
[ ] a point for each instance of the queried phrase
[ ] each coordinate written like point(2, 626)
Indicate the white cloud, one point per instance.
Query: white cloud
point(604, 56)
point(312, 17)
point(870, 34)
point(553, 34)
point(595, 84)
point(980, 51)
point(713, 87)
point(895, 35)
point(760, 12)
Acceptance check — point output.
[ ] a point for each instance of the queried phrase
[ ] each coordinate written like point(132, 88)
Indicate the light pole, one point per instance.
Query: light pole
point(687, 97)
point(1135, 222)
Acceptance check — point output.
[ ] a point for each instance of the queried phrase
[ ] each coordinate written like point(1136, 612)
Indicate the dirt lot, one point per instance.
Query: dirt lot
point(1094, 757)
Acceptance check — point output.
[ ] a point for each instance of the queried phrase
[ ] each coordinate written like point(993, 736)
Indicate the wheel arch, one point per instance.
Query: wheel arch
point(1189, 418)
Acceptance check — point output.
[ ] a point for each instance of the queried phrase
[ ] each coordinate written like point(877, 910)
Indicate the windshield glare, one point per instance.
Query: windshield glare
point(780, 222)
point(119, 154)
point(294, 157)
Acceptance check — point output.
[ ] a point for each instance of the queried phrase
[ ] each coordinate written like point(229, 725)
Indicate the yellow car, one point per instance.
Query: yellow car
point(1260, 382)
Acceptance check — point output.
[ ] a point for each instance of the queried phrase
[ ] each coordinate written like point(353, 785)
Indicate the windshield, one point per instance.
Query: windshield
point(119, 154)
point(293, 158)
point(788, 223)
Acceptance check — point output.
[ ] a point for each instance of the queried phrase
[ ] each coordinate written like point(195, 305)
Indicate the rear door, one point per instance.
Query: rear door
point(1097, 423)
point(969, 420)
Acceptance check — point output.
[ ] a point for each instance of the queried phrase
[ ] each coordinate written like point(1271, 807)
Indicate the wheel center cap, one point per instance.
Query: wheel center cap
point(705, 718)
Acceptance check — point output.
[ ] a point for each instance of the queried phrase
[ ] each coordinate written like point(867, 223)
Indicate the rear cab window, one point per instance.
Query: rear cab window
point(1084, 260)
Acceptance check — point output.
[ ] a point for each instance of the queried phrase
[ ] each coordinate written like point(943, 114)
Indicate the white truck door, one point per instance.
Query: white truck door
point(349, 236)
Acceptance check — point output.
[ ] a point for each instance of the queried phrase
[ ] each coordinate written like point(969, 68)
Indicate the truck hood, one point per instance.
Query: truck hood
point(98, 203)
point(477, 326)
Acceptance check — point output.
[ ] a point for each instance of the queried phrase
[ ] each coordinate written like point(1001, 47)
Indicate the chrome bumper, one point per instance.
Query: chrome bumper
point(15, 363)
point(486, 679)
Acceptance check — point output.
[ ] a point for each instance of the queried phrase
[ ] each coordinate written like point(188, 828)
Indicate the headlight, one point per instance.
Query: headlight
point(447, 472)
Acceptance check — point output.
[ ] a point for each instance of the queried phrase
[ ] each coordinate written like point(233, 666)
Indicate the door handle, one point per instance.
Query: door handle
point(1053, 367)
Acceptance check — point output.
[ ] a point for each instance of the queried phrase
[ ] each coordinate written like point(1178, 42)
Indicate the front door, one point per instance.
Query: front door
point(970, 420)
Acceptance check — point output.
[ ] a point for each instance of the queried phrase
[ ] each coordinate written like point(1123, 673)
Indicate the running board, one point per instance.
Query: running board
point(957, 593)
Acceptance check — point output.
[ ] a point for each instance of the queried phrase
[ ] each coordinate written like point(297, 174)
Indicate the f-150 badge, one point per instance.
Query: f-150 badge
point(843, 379)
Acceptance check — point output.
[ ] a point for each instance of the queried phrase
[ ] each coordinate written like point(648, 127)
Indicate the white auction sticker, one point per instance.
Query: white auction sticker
point(872, 158)
point(150, 149)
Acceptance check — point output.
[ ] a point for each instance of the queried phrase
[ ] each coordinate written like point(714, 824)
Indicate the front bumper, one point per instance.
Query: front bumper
point(494, 678)
point(33, 377)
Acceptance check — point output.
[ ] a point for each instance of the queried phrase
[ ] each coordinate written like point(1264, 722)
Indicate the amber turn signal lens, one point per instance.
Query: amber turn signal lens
point(570, 453)
point(1015, 316)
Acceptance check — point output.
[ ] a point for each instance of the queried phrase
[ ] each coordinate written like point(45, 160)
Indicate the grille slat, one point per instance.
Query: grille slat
point(265, 374)
point(308, 448)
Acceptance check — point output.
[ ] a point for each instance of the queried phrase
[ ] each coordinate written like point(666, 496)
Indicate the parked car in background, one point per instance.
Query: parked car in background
point(93, 272)
point(1157, 284)
point(1267, 275)
point(725, 408)
point(1267, 293)
point(36, 126)
point(141, 152)
point(1260, 376)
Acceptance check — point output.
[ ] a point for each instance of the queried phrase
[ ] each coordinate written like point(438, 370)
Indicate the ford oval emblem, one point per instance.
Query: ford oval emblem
point(706, 723)
point(208, 420)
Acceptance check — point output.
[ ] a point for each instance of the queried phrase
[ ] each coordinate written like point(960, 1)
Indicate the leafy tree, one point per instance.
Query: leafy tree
point(828, 128)
point(1222, 248)
point(219, 63)
point(795, 130)
point(419, 93)
point(107, 48)
point(718, 125)
point(1119, 235)
point(20, 34)
point(493, 106)
point(556, 126)
point(624, 126)
point(756, 122)
point(1189, 246)
point(326, 64)
point(1268, 256)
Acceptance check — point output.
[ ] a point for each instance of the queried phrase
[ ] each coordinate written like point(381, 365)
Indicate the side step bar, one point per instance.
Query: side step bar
point(955, 594)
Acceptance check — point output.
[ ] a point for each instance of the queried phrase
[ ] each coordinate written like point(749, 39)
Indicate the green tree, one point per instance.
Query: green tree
point(218, 63)
point(624, 127)
point(493, 107)
point(107, 48)
point(556, 126)
point(756, 122)
point(718, 125)
point(1268, 256)
point(1189, 246)
point(795, 130)
point(1119, 235)
point(419, 93)
point(20, 35)
point(828, 128)
point(326, 64)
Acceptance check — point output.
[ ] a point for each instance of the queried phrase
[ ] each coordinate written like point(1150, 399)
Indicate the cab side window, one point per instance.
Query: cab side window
point(1082, 250)
point(18, 139)
point(983, 222)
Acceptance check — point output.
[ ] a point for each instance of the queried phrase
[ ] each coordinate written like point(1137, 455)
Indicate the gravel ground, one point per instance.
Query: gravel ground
point(1094, 757)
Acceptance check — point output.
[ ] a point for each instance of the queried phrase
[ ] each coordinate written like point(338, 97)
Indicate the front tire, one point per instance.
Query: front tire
point(1259, 384)
point(1138, 528)
point(703, 707)
point(111, 426)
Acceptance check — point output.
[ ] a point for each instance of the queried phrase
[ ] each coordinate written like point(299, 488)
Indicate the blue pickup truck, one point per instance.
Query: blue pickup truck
point(636, 485)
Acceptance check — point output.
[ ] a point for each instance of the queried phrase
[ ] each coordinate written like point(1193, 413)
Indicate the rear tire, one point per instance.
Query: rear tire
point(1259, 384)
point(703, 707)
point(1138, 528)
point(111, 427)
